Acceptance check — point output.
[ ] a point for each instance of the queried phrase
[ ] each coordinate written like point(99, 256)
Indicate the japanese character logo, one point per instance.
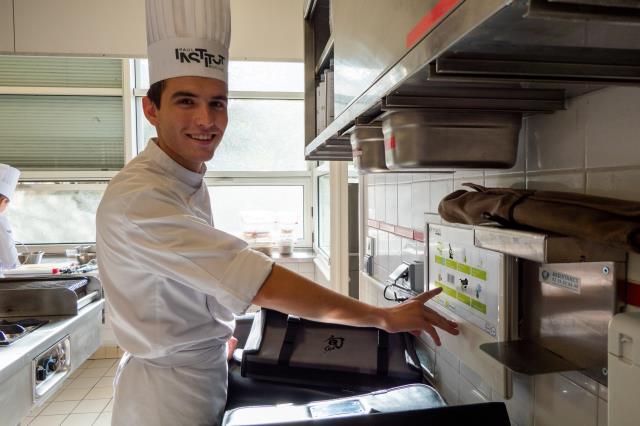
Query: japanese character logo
point(333, 343)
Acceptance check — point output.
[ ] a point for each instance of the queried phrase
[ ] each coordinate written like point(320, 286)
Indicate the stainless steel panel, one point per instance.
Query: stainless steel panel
point(366, 48)
point(567, 308)
point(15, 397)
point(544, 248)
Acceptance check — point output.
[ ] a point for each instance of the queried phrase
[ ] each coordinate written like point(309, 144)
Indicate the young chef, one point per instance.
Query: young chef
point(172, 280)
point(8, 253)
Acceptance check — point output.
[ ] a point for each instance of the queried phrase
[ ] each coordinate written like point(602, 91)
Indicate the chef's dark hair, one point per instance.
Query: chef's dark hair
point(155, 92)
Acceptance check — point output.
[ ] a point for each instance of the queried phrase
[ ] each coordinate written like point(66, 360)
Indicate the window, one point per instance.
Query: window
point(54, 213)
point(259, 168)
point(69, 124)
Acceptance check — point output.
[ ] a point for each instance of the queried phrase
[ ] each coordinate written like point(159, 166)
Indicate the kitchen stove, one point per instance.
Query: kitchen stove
point(10, 331)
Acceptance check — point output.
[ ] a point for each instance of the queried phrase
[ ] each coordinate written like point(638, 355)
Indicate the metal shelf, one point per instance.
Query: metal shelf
point(323, 62)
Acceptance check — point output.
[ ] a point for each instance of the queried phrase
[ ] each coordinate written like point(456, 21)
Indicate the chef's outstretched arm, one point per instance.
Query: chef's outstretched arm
point(286, 291)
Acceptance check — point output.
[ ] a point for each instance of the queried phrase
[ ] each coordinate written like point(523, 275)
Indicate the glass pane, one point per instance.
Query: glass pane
point(262, 135)
point(252, 76)
point(324, 212)
point(249, 76)
point(49, 213)
point(239, 209)
point(60, 72)
point(62, 132)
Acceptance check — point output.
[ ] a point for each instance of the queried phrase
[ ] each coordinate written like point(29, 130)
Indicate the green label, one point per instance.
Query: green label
point(438, 284)
point(465, 269)
point(449, 291)
point(464, 298)
point(451, 264)
point(478, 306)
point(440, 260)
point(479, 273)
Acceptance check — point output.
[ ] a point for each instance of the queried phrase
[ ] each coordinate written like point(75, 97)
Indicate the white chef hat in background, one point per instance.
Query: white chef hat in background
point(188, 38)
point(8, 180)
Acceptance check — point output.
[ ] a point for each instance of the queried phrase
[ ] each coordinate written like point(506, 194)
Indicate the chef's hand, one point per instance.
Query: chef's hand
point(413, 316)
point(232, 344)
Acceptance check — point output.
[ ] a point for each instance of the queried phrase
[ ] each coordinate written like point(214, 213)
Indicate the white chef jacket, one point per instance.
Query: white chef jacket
point(172, 282)
point(8, 252)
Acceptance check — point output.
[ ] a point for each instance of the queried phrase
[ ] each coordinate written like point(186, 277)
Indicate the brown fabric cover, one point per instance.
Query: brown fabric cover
point(606, 220)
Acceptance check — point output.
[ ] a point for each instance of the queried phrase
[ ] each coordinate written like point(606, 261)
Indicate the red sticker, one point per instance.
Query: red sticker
point(430, 20)
point(390, 143)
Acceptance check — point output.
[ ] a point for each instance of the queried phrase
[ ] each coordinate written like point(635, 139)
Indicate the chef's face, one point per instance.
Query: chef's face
point(191, 119)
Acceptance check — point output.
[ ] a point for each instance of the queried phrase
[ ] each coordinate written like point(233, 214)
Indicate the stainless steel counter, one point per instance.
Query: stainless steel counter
point(16, 371)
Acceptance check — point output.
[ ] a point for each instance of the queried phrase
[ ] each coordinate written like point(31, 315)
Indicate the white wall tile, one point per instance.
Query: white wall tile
point(379, 179)
point(563, 182)
point(555, 141)
point(513, 180)
point(381, 257)
point(468, 393)
point(447, 379)
point(419, 203)
point(558, 398)
point(458, 182)
point(391, 178)
point(473, 378)
point(391, 204)
point(371, 202)
point(421, 177)
point(443, 354)
point(612, 127)
point(395, 251)
point(409, 250)
point(380, 199)
point(621, 184)
point(405, 178)
point(404, 205)
point(438, 190)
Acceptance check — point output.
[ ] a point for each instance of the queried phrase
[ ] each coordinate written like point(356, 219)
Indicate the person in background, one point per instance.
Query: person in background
point(8, 253)
point(172, 281)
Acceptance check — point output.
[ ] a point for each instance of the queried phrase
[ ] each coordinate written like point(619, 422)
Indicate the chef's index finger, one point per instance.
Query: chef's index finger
point(424, 297)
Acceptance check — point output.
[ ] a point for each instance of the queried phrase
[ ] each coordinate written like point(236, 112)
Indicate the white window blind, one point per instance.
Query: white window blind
point(62, 132)
point(61, 113)
point(20, 71)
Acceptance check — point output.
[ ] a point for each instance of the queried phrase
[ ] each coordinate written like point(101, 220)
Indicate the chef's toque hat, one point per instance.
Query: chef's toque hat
point(188, 38)
point(8, 180)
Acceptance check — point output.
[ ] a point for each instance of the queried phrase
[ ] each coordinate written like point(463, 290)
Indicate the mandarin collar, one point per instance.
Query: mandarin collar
point(169, 165)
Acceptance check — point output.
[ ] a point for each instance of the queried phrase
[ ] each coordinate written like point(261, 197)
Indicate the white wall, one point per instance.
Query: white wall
point(266, 29)
point(261, 29)
point(590, 148)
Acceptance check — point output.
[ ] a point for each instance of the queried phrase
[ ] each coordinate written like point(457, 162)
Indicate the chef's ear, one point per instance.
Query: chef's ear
point(150, 110)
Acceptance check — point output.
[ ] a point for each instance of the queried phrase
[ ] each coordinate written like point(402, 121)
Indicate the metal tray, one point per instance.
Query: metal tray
point(444, 139)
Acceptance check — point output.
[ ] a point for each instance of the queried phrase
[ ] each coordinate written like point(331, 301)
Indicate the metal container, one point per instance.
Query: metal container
point(437, 139)
point(30, 258)
point(368, 149)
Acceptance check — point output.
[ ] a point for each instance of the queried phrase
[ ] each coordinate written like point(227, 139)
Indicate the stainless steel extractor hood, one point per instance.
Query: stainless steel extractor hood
point(526, 56)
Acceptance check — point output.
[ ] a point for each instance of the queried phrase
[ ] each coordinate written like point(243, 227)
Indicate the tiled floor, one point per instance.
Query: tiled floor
point(85, 399)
